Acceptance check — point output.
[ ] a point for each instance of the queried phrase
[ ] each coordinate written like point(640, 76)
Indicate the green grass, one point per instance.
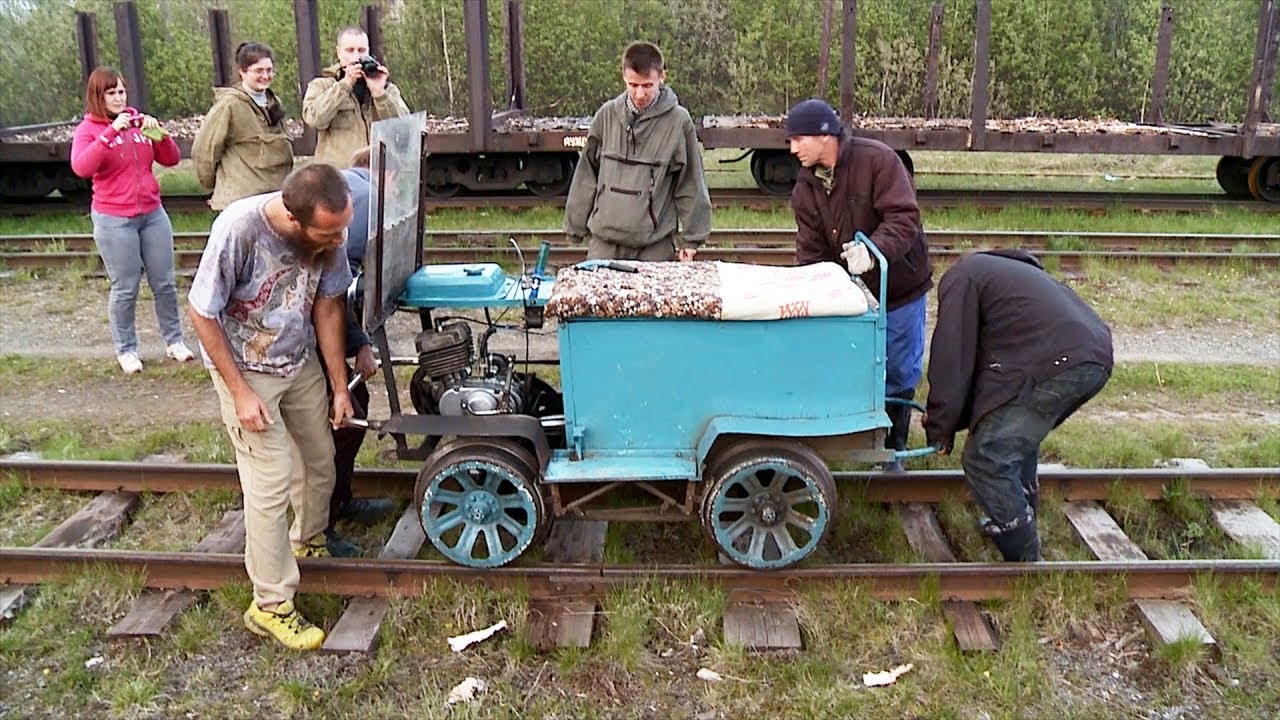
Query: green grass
point(69, 440)
point(1056, 633)
point(1143, 296)
point(33, 371)
point(74, 222)
point(1242, 617)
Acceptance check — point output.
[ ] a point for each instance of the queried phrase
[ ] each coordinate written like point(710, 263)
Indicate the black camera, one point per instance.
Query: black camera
point(370, 65)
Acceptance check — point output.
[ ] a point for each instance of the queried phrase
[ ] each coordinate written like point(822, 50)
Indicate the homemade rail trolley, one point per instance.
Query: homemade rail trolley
point(684, 389)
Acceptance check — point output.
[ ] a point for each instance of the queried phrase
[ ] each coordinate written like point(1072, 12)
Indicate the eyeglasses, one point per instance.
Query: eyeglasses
point(264, 72)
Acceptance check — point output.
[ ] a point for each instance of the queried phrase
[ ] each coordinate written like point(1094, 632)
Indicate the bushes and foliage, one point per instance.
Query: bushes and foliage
point(1048, 57)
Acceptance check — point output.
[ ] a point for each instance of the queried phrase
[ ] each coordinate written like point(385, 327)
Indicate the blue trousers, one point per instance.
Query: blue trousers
point(904, 348)
point(130, 246)
point(1003, 449)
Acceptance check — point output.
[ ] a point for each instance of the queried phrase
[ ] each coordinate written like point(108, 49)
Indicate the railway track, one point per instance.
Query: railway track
point(378, 577)
point(564, 587)
point(753, 198)
point(923, 486)
point(761, 246)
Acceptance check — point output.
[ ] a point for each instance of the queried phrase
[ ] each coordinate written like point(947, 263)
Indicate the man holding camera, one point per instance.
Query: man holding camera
point(347, 98)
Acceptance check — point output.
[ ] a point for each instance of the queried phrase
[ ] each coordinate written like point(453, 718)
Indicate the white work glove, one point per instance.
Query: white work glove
point(856, 257)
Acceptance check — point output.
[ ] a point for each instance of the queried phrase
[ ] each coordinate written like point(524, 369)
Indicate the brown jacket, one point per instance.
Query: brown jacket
point(873, 193)
point(342, 122)
point(238, 150)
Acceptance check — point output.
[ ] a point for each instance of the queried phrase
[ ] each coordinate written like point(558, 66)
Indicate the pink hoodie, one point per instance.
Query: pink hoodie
point(120, 165)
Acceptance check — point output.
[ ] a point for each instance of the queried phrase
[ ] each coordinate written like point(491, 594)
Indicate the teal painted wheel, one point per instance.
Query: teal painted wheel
point(479, 504)
point(768, 503)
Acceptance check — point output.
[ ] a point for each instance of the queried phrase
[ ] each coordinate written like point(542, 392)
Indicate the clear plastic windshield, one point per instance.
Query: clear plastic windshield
point(392, 253)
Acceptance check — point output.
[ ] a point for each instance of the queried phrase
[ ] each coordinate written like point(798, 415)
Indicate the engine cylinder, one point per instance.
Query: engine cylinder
point(445, 351)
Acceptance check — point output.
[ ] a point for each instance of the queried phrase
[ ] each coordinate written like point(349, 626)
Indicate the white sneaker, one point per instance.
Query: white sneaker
point(179, 351)
point(129, 362)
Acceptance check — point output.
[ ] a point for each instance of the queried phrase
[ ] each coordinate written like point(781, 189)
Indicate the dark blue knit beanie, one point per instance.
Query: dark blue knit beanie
point(813, 117)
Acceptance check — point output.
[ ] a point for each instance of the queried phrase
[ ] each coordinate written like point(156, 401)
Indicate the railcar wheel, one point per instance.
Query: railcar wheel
point(479, 503)
point(774, 171)
point(1232, 173)
point(442, 191)
point(907, 162)
point(436, 182)
point(1264, 179)
point(77, 190)
point(27, 181)
point(768, 503)
point(555, 178)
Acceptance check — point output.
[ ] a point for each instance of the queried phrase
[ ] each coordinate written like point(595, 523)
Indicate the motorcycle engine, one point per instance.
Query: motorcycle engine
point(447, 381)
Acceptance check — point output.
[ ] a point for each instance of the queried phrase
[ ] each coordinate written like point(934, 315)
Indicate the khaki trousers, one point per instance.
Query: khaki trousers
point(299, 405)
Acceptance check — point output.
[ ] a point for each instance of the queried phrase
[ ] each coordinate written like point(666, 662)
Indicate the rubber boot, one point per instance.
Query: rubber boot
point(899, 430)
point(1021, 544)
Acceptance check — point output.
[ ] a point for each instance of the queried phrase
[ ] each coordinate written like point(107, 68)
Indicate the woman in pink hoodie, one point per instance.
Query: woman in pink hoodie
point(115, 146)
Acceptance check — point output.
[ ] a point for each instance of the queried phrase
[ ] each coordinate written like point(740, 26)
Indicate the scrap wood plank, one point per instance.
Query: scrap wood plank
point(972, 630)
point(155, 609)
point(760, 621)
point(1249, 525)
point(761, 624)
point(100, 520)
point(566, 621)
point(1167, 621)
point(359, 628)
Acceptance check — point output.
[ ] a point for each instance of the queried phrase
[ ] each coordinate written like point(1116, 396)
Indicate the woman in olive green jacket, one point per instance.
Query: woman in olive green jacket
point(243, 147)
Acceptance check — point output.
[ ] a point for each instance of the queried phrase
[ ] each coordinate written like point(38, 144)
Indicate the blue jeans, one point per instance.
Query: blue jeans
point(128, 246)
point(904, 347)
point(1003, 449)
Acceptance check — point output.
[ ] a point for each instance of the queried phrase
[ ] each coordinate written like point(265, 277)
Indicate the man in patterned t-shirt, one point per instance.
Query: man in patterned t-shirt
point(269, 288)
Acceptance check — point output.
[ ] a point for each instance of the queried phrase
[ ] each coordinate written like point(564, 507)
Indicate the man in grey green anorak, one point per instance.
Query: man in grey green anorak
point(639, 192)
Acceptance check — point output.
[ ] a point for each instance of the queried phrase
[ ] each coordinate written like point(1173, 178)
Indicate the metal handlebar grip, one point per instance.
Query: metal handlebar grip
point(544, 252)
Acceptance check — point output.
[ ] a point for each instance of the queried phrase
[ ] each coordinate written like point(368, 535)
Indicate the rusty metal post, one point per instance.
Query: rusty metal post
point(824, 49)
point(371, 21)
point(475, 24)
point(1160, 76)
point(306, 22)
point(516, 82)
point(848, 58)
point(224, 61)
point(981, 60)
point(129, 38)
point(931, 62)
point(87, 42)
point(1264, 59)
point(1269, 67)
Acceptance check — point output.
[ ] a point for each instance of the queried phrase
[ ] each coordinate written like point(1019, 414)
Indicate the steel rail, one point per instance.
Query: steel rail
point(914, 486)
point(928, 200)
point(564, 255)
point(939, 238)
point(366, 576)
point(751, 197)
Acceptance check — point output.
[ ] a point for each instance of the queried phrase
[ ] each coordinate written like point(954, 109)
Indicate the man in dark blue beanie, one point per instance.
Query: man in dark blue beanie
point(849, 184)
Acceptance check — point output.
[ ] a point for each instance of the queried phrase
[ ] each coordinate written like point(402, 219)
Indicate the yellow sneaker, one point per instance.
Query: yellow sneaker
point(285, 624)
point(317, 546)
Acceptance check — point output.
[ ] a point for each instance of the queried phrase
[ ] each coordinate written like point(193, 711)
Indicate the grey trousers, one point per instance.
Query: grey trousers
point(662, 250)
point(128, 247)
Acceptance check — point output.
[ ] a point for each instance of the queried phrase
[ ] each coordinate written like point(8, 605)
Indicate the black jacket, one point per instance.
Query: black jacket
point(874, 193)
point(1003, 325)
